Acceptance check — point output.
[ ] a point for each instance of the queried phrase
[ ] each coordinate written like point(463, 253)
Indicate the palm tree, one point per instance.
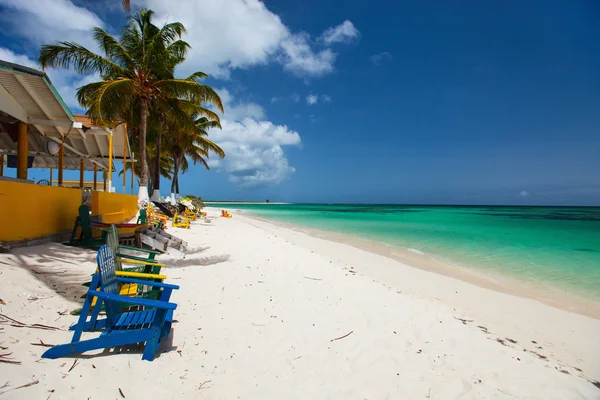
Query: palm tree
point(192, 144)
point(137, 72)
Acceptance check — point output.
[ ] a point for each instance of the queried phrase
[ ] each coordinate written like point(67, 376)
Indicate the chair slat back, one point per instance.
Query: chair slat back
point(112, 239)
point(143, 217)
point(108, 279)
point(86, 222)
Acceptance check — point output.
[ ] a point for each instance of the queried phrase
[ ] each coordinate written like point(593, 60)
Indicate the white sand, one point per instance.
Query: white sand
point(258, 307)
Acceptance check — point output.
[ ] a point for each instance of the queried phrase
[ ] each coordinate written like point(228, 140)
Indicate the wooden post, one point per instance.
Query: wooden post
point(110, 160)
point(81, 169)
point(132, 174)
point(61, 163)
point(1, 164)
point(95, 176)
point(124, 158)
point(50, 177)
point(104, 176)
point(22, 151)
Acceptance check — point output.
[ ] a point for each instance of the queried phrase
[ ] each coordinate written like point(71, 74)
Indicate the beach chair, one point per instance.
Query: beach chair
point(180, 221)
point(83, 225)
point(112, 238)
point(189, 214)
point(139, 268)
point(153, 215)
point(148, 325)
point(144, 219)
point(225, 214)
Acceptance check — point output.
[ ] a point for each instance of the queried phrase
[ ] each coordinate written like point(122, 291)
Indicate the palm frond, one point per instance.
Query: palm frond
point(112, 48)
point(71, 54)
point(191, 90)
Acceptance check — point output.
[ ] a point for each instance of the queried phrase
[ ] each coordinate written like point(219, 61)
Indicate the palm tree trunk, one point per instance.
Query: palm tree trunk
point(175, 172)
point(156, 191)
point(143, 191)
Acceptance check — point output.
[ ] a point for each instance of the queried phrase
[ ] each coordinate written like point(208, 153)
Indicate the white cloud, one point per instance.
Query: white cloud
point(524, 193)
point(379, 58)
point(253, 146)
point(254, 155)
point(298, 57)
point(229, 34)
point(45, 21)
point(312, 99)
point(225, 34)
point(296, 97)
point(12, 57)
point(343, 33)
point(239, 110)
point(326, 98)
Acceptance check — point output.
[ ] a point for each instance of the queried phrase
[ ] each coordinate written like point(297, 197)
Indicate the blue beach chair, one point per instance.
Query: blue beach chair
point(148, 325)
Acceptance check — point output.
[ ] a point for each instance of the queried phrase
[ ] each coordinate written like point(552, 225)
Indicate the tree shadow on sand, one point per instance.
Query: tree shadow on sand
point(199, 261)
point(61, 268)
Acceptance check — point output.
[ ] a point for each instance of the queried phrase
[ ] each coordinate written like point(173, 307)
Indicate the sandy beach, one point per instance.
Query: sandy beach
point(268, 312)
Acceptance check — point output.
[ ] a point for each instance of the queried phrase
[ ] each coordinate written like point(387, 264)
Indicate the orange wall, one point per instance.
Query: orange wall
point(29, 211)
point(114, 207)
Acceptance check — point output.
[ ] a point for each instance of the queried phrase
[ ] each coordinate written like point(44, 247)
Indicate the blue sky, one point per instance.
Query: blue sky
point(470, 102)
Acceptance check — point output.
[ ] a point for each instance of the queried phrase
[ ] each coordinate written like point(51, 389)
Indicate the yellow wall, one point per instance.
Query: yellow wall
point(114, 207)
point(29, 211)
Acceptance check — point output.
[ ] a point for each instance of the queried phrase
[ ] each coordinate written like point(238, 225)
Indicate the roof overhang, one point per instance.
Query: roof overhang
point(27, 95)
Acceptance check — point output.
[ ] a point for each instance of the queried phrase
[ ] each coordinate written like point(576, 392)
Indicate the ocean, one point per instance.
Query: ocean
point(553, 247)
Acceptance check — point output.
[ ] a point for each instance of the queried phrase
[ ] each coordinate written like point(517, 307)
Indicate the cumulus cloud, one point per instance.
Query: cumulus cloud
point(225, 35)
point(238, 110)
point(253, 145)
point(229, 34)
point(524, 193)
point(379, 58)
point(312, 99)
point(254, 153)
point(343, 33)
point(40, 21)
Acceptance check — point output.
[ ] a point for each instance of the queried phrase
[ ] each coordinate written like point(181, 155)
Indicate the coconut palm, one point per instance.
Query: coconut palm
point(137, 77)
point(193, 145)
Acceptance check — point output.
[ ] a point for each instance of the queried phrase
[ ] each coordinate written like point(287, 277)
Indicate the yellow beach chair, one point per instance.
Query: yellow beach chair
point(189, 214)
point(180, 221)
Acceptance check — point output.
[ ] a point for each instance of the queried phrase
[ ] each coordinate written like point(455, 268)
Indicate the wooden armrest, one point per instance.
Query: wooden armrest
point(136, 262)
point(140, 275)
point(121, 246)
point(133, 300)
point(149, 283)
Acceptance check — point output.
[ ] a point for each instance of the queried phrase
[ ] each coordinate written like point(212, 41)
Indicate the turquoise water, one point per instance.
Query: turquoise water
point(553, 246)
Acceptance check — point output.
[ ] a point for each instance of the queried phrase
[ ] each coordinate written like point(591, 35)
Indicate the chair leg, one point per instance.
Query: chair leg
point(152, 344)
point(102, 342)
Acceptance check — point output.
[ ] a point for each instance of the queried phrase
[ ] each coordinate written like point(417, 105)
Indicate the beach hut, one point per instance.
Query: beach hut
point(37, 130)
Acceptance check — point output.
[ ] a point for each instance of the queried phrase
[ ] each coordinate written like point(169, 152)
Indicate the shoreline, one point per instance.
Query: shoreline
point(554, 296)
point(267, 312)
